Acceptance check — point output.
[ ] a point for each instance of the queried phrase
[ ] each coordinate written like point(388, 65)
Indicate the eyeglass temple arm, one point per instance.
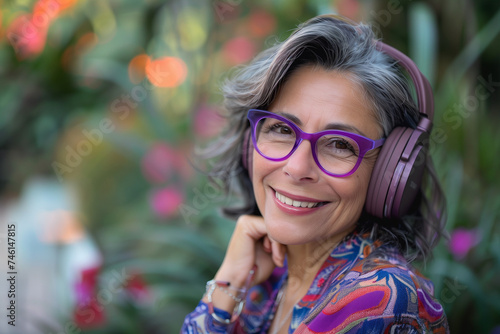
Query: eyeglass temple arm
point(378, 143)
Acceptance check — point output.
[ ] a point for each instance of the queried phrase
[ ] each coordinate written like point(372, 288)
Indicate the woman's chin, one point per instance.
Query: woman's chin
point(286, 233)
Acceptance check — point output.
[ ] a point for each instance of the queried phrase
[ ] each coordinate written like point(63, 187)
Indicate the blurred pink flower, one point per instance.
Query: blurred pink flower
point(28, 32)
point(238, 50)
point(85, 288)
point(166, 201)
point(158, 163)
point(27, 38)
point(349, 8)
point(462, 240)
point(162, 160)
point(207, 122)
point(261, 23)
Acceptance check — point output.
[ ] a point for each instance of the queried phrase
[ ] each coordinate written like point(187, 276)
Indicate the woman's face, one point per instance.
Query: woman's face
point(317, 98)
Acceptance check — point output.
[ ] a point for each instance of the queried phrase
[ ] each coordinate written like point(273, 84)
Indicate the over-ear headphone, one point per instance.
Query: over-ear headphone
point(397, 175)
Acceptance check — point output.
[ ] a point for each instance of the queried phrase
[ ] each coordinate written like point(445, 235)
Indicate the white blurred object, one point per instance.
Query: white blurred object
point(52, 248)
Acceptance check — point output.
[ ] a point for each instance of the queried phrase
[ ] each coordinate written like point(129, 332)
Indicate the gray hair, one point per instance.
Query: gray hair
point(335, 44)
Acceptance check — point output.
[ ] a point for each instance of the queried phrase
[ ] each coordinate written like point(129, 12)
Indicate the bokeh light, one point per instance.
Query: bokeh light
point(137, 68)
point(261, 23)
point(238, 50)
point(165, 202)
point(349, 8)
point(207, 122)
point(61, 226)
point(462, 241)
point(27, 39)
point(158, 164)
point(27, 33)
point(191, 27)
point(166, 72)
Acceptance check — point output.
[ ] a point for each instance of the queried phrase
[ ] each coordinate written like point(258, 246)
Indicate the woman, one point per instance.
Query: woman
point(338, 188)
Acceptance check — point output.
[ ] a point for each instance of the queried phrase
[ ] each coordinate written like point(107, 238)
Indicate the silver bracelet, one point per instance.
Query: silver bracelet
point(211, 285)
point(239, 299)
point(222, 286)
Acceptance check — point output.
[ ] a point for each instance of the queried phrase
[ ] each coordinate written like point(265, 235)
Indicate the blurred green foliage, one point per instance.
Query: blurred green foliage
point(80, 109)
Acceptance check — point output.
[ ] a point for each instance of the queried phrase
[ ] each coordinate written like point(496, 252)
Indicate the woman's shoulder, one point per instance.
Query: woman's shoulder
point(381, 291)
point(382, 259)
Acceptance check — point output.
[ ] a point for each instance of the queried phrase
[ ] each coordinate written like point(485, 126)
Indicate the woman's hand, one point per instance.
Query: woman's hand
point(250, 245)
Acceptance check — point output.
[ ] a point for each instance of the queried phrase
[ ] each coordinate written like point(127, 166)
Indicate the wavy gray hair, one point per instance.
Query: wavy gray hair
point(335, 44)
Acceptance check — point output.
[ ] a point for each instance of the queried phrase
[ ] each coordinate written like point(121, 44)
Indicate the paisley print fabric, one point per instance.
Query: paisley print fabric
point(362, 287)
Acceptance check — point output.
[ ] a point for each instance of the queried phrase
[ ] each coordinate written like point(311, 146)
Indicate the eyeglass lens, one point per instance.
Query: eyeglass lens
point(336, 153)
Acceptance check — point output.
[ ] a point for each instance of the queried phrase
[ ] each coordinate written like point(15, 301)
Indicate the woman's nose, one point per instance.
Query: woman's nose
point(301, 165)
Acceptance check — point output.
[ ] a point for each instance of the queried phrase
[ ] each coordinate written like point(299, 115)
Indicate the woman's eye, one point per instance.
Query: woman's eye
point(281, 129)
point(340, 145)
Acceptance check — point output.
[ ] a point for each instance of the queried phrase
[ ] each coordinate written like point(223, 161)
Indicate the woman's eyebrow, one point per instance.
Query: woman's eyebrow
point(344, 127)
point(329, 126)
point(291, 117)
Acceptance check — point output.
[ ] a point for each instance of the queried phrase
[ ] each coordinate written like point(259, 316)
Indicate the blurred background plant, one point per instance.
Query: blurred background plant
point(104, 101)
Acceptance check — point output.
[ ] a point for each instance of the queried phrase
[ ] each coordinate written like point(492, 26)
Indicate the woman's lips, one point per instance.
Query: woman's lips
point(296, 204)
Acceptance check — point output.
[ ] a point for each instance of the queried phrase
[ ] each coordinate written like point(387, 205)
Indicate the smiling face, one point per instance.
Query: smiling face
point(299, 202)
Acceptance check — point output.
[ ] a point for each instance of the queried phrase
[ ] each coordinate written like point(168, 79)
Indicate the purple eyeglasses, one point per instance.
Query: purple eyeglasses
point(337, 153)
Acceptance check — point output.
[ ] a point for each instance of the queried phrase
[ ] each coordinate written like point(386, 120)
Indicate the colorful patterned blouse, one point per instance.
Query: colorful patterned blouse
point(362, 287)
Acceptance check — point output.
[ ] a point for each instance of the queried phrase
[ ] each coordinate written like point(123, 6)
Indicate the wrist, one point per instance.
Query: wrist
point(219, 296)
point(225, 296)
point(236, 278)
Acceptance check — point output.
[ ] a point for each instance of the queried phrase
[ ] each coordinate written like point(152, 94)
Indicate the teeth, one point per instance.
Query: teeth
point(297, 204)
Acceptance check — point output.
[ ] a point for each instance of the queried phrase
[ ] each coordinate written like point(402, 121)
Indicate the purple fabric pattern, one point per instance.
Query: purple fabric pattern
point(364, 286)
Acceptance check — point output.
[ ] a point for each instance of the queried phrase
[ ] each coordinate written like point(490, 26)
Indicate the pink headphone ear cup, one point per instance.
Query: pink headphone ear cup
point(247, 153)
point(381, 176)
point(397, 174)
point(409, 175)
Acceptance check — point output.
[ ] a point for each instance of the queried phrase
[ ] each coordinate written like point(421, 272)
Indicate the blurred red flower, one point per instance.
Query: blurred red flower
point(89, 315)
point(137, 287)
point(88, 312)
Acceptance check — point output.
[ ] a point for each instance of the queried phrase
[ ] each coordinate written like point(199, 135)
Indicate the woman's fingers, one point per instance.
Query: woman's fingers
point(250, 245)
point(244, 250)
point(267, 244)
point(264, 262)
point(278, 253)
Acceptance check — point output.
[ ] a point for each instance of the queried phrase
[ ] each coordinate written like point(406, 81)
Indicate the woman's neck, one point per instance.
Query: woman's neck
point(304, 261)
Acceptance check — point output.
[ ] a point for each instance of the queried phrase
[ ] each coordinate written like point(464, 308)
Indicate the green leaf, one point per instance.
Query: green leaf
point(423, 38)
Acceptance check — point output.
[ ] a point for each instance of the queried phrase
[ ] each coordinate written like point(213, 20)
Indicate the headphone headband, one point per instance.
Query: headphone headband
point(422, 86)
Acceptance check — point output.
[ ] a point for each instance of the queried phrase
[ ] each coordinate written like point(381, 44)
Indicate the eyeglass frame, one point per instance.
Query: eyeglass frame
point(365, 144)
